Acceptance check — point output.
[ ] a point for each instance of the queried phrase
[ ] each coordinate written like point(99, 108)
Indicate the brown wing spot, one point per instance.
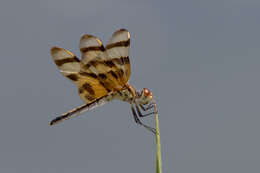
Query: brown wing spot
point(94, 48)
point(93, 75)
point(102, 76)
point(126, 60)
point(118, 61)
point(113, 74)
point(119, 44)
point(94, 63)
point(89, 97)
point(89, 88)
point(122, 72)
point(73, 77)
point(81, 90)
point(109, 63)
point(105, 86)
point(122, 60)
point(60, 62)
point(90, 63)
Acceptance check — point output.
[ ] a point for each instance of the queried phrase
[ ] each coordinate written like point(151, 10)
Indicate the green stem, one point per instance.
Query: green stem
point(158, 143)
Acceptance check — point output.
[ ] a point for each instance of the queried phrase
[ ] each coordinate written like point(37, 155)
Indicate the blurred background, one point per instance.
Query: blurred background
point(199, 58)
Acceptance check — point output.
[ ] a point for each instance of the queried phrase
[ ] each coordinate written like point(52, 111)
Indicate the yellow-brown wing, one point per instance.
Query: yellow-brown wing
point(101, 70)
point(117, 49)
point(67, 62)
point(91, 49)
point(89, 86)
point(110, 65)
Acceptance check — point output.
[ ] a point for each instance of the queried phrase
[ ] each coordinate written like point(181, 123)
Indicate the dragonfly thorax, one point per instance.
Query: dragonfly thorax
point(130, 95)
point(125, 95)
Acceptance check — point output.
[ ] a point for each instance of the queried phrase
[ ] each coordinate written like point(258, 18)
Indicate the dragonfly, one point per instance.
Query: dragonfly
point(102, 75)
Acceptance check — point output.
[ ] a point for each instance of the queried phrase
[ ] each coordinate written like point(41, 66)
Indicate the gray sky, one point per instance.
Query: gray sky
point(200, 58)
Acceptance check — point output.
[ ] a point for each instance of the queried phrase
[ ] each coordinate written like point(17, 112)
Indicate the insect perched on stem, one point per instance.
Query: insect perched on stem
point(102, 75)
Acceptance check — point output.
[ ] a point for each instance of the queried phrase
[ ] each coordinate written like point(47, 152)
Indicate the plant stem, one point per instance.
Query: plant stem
point(158, 143)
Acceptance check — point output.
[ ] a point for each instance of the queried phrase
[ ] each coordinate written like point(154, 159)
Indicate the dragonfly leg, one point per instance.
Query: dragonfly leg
point(138, 121)
point(144, 115)
point(150, 106)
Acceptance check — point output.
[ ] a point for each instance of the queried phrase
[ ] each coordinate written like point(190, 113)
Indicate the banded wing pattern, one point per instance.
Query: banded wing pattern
point(100, 72)
point(110, 65)
point(91, 49)
point(70, 67)
point(67, 62)
point(117, 50)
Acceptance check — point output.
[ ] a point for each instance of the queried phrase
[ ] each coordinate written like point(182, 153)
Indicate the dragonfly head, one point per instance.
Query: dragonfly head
point(145, 97)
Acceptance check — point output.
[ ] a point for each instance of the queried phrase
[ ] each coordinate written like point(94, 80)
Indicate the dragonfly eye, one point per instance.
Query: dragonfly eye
point(146, 92)
point(147, 96)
